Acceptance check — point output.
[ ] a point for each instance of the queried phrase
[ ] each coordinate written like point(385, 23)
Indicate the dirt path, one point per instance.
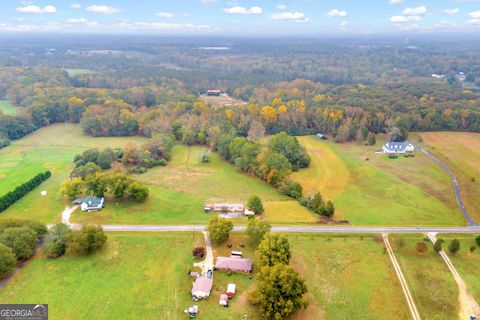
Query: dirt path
point(403, 282)
point(456, 187)
point(67, 212)
point(206, 264)
point(468, 304)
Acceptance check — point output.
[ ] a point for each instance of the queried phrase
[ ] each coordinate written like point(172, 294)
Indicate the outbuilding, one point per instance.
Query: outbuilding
point(235, 264)
point(231, 287)
point(201, 288)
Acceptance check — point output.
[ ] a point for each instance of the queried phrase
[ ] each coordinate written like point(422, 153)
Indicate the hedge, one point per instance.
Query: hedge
point(21, 190)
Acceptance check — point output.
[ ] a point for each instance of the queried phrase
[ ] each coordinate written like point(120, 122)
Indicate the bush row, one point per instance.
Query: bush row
point(21, 190)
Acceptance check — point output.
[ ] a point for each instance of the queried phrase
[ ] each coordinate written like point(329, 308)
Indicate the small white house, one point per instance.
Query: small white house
point(91, 203)
point(397, 147)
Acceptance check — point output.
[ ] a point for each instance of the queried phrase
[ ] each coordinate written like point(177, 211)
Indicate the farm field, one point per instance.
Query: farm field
point(179, 191)
point(431, 283)
point(460, 153)
point(378, 191)
point(50, 148)
point(7, 108)
point(129, 279)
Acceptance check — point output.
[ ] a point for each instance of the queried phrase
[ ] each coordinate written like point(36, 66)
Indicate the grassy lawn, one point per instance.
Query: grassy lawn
point(7, 108)
point(347, 276)
point(465, 262)
point(137, 276)
point(130, 278)
point(378, 191)
point(460, 152)
point(179, 190)
point(51, 148)
point(431, 283)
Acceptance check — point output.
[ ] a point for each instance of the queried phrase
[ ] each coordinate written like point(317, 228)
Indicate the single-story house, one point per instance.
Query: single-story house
point(213, 92)
point(235, 264)
point(201, 288)
point(321, 136)
point(230, 207)
point(90, 203)
point(397, 147)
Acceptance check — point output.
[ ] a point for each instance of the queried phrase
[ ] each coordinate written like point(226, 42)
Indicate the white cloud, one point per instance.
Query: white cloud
point(77, 20)
point(418, 11)
point(35, 9)
point(208, 1)
point(290, 16)
point(75, 6)
point(474, 14)
point(102, 9)
point(395, 1)
point(337, 13)
point(451, 12)
point(243, 10)
point(403, 19)
point(281, 7)
point(164, 14)
point(83, 25)
point(474, 22)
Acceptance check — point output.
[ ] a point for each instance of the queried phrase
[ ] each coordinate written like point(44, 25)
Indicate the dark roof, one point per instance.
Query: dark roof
point(234, 263)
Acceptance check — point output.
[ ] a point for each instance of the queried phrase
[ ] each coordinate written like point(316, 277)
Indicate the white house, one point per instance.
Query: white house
point(398, 147)
point(90, 203)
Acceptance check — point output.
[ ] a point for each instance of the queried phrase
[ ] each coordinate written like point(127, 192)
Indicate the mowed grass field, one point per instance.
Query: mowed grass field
point(7, 108)
point(51, 148)
point(130, 278)
point(466, 262)
point(136, 276)
point(429, 280)
point(179, 191)
point(460, 152)
point(370, 189)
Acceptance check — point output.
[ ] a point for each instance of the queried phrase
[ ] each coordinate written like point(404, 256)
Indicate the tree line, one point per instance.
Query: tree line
point(20, 191)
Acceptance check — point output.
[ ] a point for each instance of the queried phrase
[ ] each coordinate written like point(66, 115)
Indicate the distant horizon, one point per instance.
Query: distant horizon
point(271, 18)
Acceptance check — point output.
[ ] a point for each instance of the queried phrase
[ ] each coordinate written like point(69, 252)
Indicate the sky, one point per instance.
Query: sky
point(241, 17)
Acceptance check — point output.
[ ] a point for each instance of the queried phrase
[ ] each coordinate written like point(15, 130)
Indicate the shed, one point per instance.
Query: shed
point(231, 287)
point(201, 288)
point(321, 136)
point(235, 264)
point(194, 275)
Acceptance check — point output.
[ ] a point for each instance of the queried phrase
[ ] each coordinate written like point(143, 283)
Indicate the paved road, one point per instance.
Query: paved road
point(312, 229)
point(456, 188)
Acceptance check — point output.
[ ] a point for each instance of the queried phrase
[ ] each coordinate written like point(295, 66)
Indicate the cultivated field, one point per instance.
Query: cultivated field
point(460, 152)
point(431, 283)
point(7, 108)
point(179, 191)
point(51, 148)
point(370, 189)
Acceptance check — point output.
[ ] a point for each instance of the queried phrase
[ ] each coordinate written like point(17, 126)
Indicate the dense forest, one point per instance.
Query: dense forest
point(342, 88)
